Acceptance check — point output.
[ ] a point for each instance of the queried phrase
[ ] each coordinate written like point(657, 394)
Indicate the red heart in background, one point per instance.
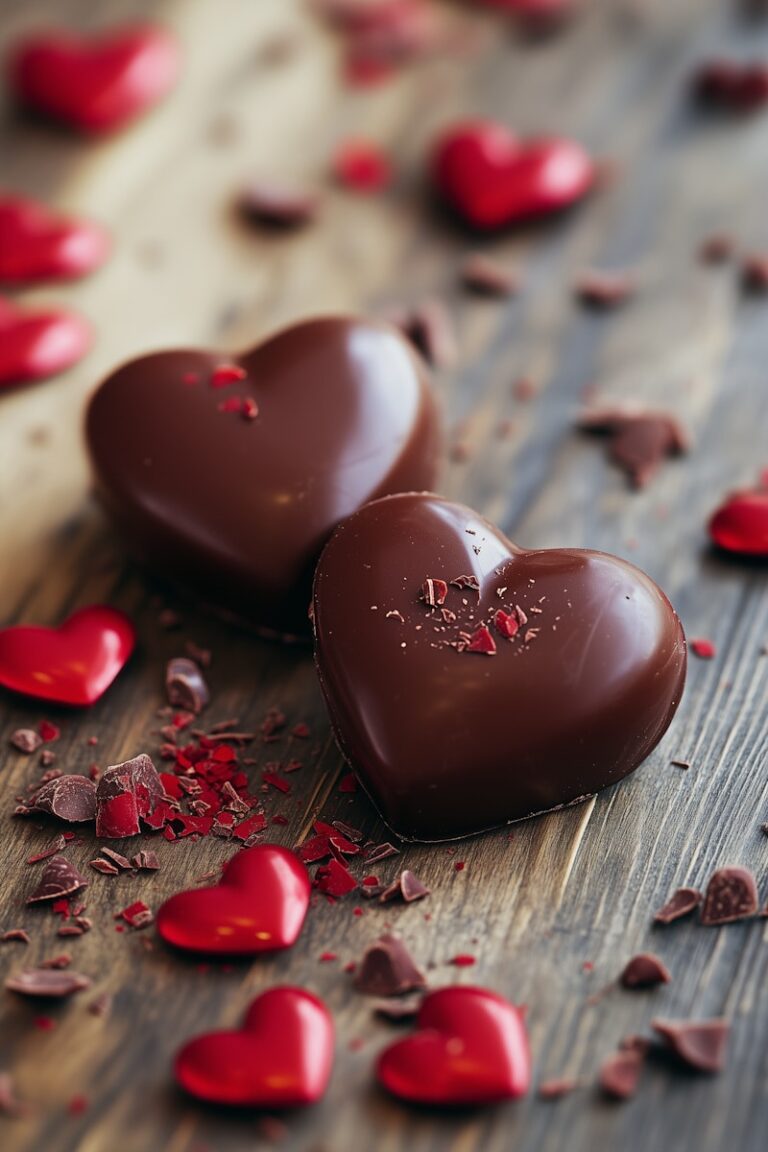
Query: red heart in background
point(490, 178)
point(740, 524)
point(280, 1058)
point(36, 244)
point(259, 905)
point(72, 664)
point(36, 344)
point(471, 1047)
point(95, 84)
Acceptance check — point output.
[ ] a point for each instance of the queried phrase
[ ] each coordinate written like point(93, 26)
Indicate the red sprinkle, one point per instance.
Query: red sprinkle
point(463, 960)
point(48, 732)
point(704, 649)
point(362, 166)
point(225, 374)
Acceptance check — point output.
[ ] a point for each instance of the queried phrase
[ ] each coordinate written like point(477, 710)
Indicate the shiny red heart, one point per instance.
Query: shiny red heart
point(471, 1047)
point(740, 524)
point(36, 244)
point(259, 905)
point(37, 344)
point(491, 179)
point(95, 84)
point(72, 664)
point(280, 1058)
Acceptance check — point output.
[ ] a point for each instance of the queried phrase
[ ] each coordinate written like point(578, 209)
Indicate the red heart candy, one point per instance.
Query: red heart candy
point(280, 1058)
point(72, 664)
point(36, 244)
point(490, 179)
point(740, 524)
point(471, 1048)
point(95, 85)
point(259, 905)
point(36, 344)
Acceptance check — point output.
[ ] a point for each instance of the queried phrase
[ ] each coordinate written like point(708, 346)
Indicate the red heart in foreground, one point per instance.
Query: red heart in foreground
point(259, 905)
point(470, 682)
point(37, 344)
point(280, 1058)
point(740, 524)
point(471, 1048)
point(36, 244)
point(491, 179)
point(95, 84)
point(72, 664)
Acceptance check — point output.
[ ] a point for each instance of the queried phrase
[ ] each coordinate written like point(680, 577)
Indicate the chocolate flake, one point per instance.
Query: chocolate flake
point(15, 935)
point(49, 982)
point(185, 686)
point(681, 903)
point(26, 740)
point(644, 971)
point(701, 1044)
point(406, 887)
point(70, 798)
point(60, 878)
point(387, 969)
point(433, 592)
point(620, 1074)
point(731, 895)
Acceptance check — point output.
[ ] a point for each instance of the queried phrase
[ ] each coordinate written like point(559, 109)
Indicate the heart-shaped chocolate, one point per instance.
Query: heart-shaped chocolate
point(471, 683)
point(36, 244)
point(491, 179)
point(259, 905)
point(95, 84)
point(281, 1057)
point(471, 1047)
point(72, 664)
point(35, 344)
point(228, 475)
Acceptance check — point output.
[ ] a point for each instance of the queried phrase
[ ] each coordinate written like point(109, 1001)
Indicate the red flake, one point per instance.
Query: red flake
point(482, 641)
point(362, 166)
point(327, 957)
point(61, 908)
point(136, 915)
point(277, 781)
point(190, 378)
point(48, 732)
point(358, 912)
point(225, 374)
point(704, 649)
point(371, 882)
point(44, 1023)
point(463, 960)
point(250, 826)
point(433, 592)
point(460, 865)
point(77, 1105)
point(231, 404)
point(279, 819)
point(334, 879)
point(507, 624)
point(301, 731)
point(224, 754)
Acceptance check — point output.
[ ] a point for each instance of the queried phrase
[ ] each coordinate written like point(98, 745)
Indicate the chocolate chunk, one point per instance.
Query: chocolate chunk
point(51, 982)
point(70, 798)
point(407, 1008)
point(278, 205)
point(60, 878)
point(639, 440)
point(407, 887)
point(387, 969)
point(487, 277)
point(605, 289)
point(701, 1044)
point(556, 1087)
point(620, 1074)
point(645, 971)
point(185, 685)
point(26, 740)
point(681, 903)
point(116, 858)
point(145, 861)
point(731, 895)
point(126, 793)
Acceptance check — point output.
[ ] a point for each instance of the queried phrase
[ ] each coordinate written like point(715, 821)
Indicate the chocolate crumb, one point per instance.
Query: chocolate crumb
point(701, 1044)
point(387, 969)
point(70, 798)
point(101, 1005)
point(49, 982)
point(185, 685)
point(644, 971)
point(26, 740)
point(731, 895)
point(682, 902)
point(620, 1074)
point(60, 878)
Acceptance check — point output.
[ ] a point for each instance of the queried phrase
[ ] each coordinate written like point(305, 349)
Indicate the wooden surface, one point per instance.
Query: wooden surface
point(534, 904)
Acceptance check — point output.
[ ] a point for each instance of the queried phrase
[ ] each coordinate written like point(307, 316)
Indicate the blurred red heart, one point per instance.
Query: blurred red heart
point(95, 84)
point(36, 244)
point(280, 1058)
point(72, 664)
point(471, 1047)
point(740, 524)
point(491, 179)
point(259, 905)
point(36, 344)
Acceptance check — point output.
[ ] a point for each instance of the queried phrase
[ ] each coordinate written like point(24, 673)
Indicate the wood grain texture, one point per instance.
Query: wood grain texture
point(533, 903)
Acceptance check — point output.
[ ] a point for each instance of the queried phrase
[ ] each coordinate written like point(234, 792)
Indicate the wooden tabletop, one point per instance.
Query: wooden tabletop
point(553, 908)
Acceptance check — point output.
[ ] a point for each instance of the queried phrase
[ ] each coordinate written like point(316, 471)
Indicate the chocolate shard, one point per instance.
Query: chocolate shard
point(731, 895)
point(406, 887)
point(69, 798)
point(185, 685)
point(60, 878)
point(388, 969)
point(54, 983)
point(26, 740)
point(126, 793)
point(700, 1044)
point(644, 971)
point(682, 902)
point(620, 1074)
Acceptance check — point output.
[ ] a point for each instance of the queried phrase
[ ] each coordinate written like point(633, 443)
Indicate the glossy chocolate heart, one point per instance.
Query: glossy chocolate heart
point(471, 1047)
point(472, 683)
point(280, 1058)
point(72, 664)
point(229, 475)
point(36, 343)
point(489, 178)
point(259, 905)
point(95, 84)
point(36, 244)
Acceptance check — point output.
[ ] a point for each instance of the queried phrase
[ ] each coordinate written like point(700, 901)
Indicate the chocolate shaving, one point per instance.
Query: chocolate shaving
point(407, 887)
point(387, 969)
point(60, 878)
point(278, 205)
point(681, 903)
point(487, 277)
point(15, 935)
point(620, 1074)
point(639, 440)
point(700, 1044)
point(69, 798)
point(48, 982)
point(185, 685)
point(644, 971)
point(26, 740)
point(731, 895)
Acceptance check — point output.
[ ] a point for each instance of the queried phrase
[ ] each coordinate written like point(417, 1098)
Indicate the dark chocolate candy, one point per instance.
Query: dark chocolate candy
point(229, 474)
point(457, 721)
